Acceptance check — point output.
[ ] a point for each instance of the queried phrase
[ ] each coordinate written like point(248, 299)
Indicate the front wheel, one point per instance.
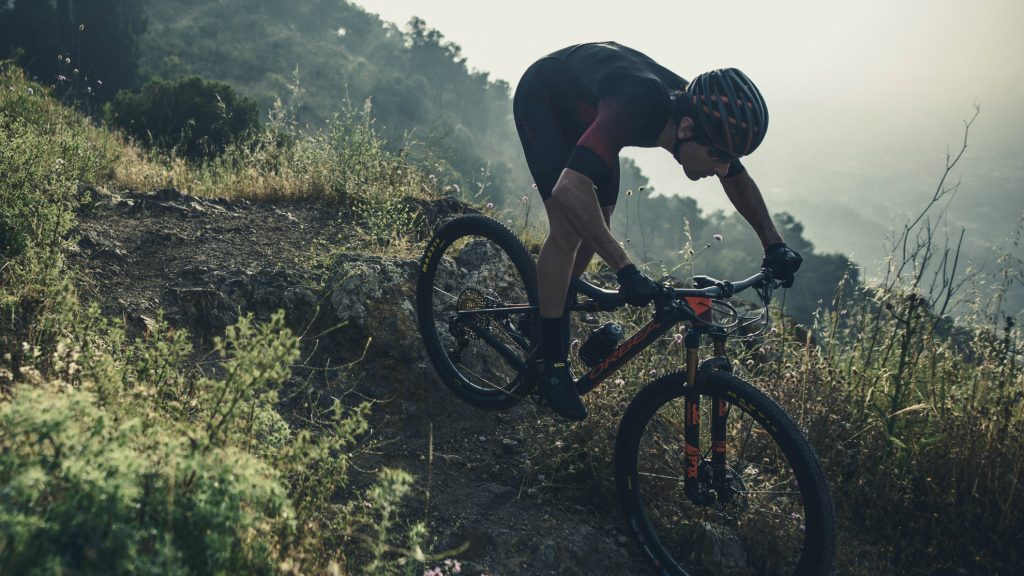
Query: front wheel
point(476, 300)
point(773, 513)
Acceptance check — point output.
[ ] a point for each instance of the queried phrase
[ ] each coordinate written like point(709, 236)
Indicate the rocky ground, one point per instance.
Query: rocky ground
point(202, 262)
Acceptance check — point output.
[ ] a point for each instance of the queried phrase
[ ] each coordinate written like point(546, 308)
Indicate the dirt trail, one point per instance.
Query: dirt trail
point(203, 261)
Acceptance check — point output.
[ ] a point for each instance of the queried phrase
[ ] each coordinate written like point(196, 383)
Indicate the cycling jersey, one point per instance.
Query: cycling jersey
point(580, 106)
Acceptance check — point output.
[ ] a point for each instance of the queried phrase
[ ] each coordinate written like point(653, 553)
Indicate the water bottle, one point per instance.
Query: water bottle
point(600, 344)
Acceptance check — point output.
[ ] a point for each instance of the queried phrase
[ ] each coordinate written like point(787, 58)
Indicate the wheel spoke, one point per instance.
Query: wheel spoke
point(758, 518)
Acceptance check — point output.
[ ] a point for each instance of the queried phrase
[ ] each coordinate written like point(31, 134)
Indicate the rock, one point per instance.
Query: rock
point(374, 296)
point(509, 447)
point(205, 309)
point(497, 495)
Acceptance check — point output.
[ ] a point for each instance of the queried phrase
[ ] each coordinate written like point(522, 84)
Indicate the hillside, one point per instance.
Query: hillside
point(419, 85)
point(213, 367)
point(203, 262)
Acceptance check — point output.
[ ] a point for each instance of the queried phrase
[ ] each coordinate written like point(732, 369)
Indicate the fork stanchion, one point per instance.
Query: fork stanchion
point(719, 419)
point(691, 482)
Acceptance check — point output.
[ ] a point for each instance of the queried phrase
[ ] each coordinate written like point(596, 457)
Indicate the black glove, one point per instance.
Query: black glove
point(636, 287)
point(782, 261)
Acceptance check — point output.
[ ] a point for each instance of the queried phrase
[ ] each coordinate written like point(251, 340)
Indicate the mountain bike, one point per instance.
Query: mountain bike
point(714, 476)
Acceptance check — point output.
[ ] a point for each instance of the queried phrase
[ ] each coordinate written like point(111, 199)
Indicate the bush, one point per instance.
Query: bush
point(87, 492)
point(195, 118)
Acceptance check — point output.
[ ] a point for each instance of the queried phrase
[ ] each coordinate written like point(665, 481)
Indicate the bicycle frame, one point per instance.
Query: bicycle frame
point(677, 306)
point(667, 315)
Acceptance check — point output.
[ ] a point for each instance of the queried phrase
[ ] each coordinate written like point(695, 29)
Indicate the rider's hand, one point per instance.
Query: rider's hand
point(636, 287)
point(783, 262)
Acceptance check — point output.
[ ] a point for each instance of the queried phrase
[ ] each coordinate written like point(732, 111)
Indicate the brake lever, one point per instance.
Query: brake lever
point(701, 282)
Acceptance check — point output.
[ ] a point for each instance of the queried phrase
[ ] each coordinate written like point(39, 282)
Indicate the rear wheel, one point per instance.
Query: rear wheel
point(772, 516)
point(476, 300)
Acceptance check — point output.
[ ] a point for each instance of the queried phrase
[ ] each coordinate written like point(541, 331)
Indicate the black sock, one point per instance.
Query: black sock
point(566, 326)
point(552, 343)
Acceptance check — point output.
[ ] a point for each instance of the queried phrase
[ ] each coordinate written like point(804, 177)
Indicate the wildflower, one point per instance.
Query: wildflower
point(620, 382)
point(717, 237)
point(678, 338)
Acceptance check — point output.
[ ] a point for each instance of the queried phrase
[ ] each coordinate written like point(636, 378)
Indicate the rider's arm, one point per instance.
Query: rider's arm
point(575, 198)
point(746, 197)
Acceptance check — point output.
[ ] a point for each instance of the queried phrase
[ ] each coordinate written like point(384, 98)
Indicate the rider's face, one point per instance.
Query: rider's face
point(698, 163)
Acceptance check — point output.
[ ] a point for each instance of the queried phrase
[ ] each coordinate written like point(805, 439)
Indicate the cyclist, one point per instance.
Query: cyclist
point(575, 110)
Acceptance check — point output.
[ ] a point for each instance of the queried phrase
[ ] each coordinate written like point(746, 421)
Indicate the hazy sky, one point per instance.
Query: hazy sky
point(865, 97)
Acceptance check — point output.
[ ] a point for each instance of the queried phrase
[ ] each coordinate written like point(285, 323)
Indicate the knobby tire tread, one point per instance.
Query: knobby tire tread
point(472, 225)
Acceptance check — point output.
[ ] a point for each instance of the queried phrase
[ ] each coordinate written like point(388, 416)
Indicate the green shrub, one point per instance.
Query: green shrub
point(85, 491)
point(45, 152)
point(195, 118)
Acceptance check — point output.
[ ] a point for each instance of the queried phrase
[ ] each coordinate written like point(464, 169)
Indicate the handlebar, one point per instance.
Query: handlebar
point(707, 287)
point(602, 299)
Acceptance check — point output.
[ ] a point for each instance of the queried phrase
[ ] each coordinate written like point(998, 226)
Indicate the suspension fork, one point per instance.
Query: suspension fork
point(691, 483)
point(719, 418)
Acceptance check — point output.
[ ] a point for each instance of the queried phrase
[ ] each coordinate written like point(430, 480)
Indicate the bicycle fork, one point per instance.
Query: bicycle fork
point(719, 417)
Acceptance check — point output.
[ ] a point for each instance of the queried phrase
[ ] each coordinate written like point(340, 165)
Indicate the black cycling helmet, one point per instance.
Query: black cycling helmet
point(728, 112)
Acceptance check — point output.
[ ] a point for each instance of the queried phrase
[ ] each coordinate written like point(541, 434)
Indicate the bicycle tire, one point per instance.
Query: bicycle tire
point(781, 519)
point(475, 261)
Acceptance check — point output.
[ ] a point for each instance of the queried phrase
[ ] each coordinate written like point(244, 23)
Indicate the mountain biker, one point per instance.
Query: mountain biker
point(575, 109)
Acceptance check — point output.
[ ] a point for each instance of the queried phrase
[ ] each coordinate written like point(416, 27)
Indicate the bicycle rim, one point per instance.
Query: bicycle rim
point(776, 517)
point(474, 263)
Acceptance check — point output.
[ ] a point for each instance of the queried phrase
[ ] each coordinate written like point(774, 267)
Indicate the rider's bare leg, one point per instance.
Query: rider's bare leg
point(556, 262)
point(586, 251)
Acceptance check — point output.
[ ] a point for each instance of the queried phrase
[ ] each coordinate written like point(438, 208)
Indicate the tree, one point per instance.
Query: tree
point(29, 33)
point(96, 40)
point(191, 116)
point(105, 40)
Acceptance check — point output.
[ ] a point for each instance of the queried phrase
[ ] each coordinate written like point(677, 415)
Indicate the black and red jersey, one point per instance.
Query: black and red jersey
point(580, 106)
point(621, 96)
